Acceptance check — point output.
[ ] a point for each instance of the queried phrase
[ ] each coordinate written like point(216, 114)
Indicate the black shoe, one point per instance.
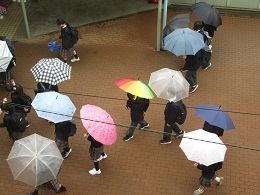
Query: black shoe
point(179, 134)
point(126, 139)
point(27, 124)
point(165, 141)
point(62, 189)
point(141, 128)
point(206, 67)
point(193, 88)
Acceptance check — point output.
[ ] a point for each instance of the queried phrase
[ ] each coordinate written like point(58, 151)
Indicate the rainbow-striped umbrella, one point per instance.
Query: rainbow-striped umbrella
point(135, 87)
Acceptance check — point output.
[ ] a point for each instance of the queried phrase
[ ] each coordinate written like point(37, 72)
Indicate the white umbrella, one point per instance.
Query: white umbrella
point(203, 147)
point(53, 106)
point(169, 84)
point(5, 56)
point(34, 160)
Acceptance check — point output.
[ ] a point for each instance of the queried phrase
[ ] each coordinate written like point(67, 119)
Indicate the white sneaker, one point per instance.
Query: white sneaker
point(94, 171)
point(102, 157)
point(220, 180)
point(75, 59)
point(1, 17)
point(198, 191)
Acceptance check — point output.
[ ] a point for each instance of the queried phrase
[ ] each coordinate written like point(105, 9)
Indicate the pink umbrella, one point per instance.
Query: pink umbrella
point(98, 124)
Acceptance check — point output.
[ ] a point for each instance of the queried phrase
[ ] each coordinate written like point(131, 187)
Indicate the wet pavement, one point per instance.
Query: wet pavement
point(123, 48)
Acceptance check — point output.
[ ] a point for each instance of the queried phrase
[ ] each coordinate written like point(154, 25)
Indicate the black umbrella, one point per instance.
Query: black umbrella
point(207, 13)
point(178, 21)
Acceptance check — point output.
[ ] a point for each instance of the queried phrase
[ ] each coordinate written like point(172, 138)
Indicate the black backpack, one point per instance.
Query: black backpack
point(18, 121)
point(182, 113)
point(72, 128)
point(75, 34)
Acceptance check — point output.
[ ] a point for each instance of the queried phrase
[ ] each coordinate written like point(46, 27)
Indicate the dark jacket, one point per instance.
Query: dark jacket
point(7, 122)
point(94, 143)
point(171, 112)
point(213, 129)
point(137, 108)
point(192, 62)
point(62, 130)
point(66, 37)
point(208, 172)
point(42, 87)
point(210, 29)
point(16, 97)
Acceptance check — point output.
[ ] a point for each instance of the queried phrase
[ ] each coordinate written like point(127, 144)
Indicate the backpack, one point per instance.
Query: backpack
point(75, 34)
point(72, 128)
point(182, 113)
point(18, 121)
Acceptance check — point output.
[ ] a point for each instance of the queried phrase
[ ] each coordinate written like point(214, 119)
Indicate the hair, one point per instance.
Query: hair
point(130, 96)
point(198, 25)
point(9, 87)
point(60, 21)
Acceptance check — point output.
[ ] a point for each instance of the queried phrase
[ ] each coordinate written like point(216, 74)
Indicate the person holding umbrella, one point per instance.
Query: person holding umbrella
point(54, 185)
point(96, 151)
point(213, 129)
point(170, 116)
point(209, 174)
point(137, 107)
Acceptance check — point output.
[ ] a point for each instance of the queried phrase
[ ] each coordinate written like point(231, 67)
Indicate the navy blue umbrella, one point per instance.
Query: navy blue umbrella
point(215, 116)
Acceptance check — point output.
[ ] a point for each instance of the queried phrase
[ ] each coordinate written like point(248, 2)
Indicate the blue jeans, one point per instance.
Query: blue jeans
point(133, 126)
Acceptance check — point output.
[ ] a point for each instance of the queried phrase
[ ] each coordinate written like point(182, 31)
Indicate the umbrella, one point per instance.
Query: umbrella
point(169, 84)
point(215, 116)
point(5, 56)
point(98, 124)
point(53, 45)
point(178, 21)
point(203, 147)
point(207, 13)
point(53, 106)
point(135, 87)
point(34, 160)
point(183, 41)
point(51, 71)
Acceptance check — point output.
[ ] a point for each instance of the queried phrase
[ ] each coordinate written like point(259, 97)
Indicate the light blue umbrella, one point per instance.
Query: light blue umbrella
point(53, 106)
point(183, 41)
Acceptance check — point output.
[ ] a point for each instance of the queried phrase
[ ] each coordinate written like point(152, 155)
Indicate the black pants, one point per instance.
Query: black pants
point(168, 130)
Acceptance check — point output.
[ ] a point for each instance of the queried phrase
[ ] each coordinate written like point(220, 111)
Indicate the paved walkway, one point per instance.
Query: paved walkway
point(125, 48)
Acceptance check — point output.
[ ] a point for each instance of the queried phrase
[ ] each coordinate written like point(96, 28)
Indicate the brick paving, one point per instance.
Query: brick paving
point(125, 48)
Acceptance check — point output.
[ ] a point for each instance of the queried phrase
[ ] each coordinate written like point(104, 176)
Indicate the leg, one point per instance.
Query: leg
point(129, 134)
point(189, 77)
point(143, 124)
point(76, 57)
point(167, 134)
point(95, 170)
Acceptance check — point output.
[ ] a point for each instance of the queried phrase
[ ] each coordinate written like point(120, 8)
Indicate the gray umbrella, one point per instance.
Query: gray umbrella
point(178, 21)
point(207, 13)
point(183, 41)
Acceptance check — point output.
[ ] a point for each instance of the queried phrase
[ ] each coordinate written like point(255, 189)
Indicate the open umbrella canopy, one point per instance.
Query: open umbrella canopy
point(207, 13)
point(215, 116)
point(34, 160)
point(169, 84)
point(99, 124)
point(51, 71)
point(135, 87)
point(203, 147)
point(53, 106)
point(183, 41)
point(178, 21)
point(5, 56)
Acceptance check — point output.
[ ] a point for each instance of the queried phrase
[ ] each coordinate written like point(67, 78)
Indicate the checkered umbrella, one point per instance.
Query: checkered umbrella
point(52, 71)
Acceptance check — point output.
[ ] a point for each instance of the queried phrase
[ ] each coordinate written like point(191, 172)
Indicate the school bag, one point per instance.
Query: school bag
point(182, 113)
point(72, 128)
point(18, 121)
point(75, 34)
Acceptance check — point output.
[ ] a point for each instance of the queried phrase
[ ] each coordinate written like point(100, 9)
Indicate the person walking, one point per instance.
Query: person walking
point(15, 133)
point(209, 174)
point(206, 50)
point(54, 185)
point(137, 107)
point(68, 42)
point(62, 137)
point(96, 151)
point(213, 129)
point(170, 116)
point(192, 64)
